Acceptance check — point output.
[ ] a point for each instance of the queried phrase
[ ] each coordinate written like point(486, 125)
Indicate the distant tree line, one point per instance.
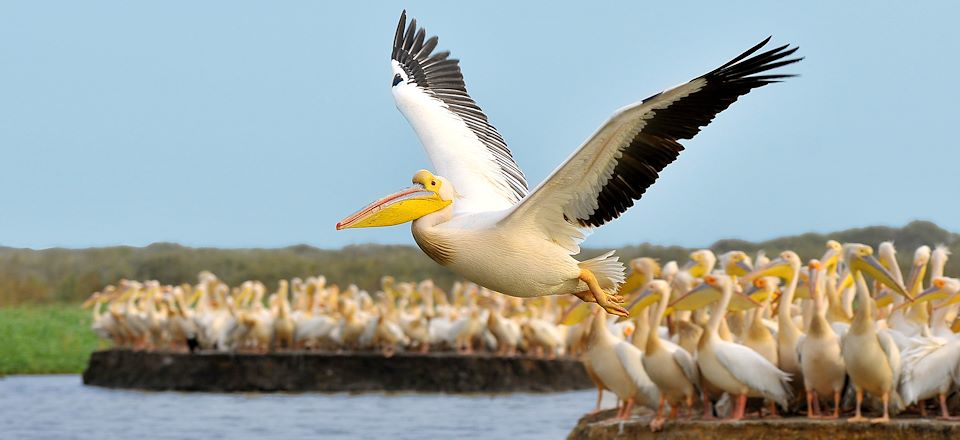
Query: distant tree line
point(70, 275)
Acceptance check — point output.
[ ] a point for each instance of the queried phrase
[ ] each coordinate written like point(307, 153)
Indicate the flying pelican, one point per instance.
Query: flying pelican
point(476, 217)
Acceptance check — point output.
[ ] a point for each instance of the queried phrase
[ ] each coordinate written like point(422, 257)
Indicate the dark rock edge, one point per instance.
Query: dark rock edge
point(332, 372)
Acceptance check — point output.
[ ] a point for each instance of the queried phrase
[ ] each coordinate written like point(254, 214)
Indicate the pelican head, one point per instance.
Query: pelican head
point(887, 252)
point(940, 288)
point(763, 288)
point(701, 262)
point(859, 257)
point(831, 257)
point(645, 269)
point(429, 194)
point(736, 263)
point(785, 266)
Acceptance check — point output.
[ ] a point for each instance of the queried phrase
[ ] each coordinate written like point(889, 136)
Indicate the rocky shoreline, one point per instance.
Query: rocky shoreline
point(602, 426)
point(332, 372)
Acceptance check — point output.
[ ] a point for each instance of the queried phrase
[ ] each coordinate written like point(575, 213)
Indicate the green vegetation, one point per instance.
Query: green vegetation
point(45, 339)
point(70, 275)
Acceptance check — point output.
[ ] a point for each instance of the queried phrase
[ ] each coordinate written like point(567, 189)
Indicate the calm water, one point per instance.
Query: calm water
point(46, 407)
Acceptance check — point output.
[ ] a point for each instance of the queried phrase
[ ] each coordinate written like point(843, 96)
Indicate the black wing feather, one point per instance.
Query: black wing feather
point(656, 145)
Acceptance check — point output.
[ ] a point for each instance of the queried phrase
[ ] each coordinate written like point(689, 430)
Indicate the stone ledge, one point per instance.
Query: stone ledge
point(332, 372)
point(601, 426)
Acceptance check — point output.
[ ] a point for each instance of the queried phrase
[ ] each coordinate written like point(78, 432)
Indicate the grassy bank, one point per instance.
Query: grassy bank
point(45, 339)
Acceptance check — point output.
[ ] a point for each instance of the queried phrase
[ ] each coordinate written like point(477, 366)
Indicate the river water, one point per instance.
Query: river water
point(61, 407)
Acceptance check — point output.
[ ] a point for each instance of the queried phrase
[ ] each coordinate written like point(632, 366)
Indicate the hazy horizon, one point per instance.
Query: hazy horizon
point(241, 124)
point(413, 244)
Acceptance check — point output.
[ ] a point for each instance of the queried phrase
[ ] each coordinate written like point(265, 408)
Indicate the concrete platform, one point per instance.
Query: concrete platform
point(332, 372)
point(602, 426)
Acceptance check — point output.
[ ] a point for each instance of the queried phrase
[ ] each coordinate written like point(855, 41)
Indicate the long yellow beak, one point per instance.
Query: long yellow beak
point(699, 297)
point(871, 266)
point(705, 294)
point(695, 269)
point(757, 294)
point(830, 260)
point(916, 277)
point(776, 268)
point(934, 293)
point(740, 268)
point(740, 302)
point(635, 281)
point(884, 299)
point(575, 314)
point(401, 207)
point(643, 301)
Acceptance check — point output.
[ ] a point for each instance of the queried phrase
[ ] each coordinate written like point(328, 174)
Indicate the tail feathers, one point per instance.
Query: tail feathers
point(608, 269)
point(783, 397)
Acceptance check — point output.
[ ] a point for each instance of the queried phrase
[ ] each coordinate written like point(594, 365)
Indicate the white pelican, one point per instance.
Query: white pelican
point(619, 366)
point(670, 367)
point(731, 367)
point(822, 364)
point(872, 358)
point(931, 365)
point(476, 217)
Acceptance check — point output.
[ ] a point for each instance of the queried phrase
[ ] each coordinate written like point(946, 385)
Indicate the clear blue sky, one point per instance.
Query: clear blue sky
point(264, 123)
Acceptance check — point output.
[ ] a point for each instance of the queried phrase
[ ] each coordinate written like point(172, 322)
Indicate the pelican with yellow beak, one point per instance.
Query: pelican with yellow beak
point(728, 366)
point(872, 358)
point(475, 215)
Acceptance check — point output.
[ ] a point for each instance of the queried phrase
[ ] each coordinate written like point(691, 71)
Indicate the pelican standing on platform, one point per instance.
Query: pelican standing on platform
point(476, 217)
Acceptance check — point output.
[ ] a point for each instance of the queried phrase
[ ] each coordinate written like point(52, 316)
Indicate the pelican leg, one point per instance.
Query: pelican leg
point(858, 417)
point(599, 399)
point(627, 408)
point(674, 411)
point(690, 407)
point(585, 296)
point(657, 423)
point(707, 406)
point(944, 412)
point(742, 405)
point(886, 410)
point(836, 406)
point(606, 301)
point(922, 405)
point(811, 395)
point(773, 410)
point(816, 404)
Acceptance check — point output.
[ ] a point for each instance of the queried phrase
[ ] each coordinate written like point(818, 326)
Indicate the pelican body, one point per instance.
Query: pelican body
point(476, 216)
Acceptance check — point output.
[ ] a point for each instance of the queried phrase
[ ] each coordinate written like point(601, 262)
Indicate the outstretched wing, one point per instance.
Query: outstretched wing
point(460, 142)
point(622, 159)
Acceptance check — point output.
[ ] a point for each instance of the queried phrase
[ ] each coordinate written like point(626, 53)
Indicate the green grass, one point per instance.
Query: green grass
point(45, 339)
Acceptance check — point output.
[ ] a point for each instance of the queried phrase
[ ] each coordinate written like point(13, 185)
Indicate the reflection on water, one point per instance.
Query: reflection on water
point(45, 407)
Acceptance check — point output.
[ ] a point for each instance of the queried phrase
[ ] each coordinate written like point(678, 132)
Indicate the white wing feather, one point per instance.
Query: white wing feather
point(926, 368)
point(687, 364)
point(631, 358)
point(754, 370)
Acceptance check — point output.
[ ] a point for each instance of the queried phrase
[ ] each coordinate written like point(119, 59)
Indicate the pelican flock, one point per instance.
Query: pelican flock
point(700, 333)
point(475, 214)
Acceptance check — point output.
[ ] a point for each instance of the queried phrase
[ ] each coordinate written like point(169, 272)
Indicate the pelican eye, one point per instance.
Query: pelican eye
point(397, 79)
point(433, 183)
